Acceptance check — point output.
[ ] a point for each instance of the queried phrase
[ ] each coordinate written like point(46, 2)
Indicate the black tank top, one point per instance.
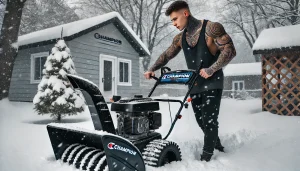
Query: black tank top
point(193, 56)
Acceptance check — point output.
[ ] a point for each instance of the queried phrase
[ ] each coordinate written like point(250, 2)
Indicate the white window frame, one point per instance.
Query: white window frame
point(33, 56)
point(129, 83)
point(240, 81)
point(115, 69)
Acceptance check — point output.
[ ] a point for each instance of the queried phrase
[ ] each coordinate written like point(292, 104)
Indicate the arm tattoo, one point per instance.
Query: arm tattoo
point(169, 54)
point(224, 44)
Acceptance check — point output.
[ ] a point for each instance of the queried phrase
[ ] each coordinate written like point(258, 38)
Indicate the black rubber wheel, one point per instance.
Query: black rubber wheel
point(160, 152)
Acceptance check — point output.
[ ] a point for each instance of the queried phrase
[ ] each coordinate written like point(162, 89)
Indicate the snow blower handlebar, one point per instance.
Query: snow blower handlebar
point(162, 71)
point(191, 82)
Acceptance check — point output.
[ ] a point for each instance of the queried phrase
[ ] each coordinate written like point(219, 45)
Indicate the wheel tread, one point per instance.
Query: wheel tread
point(153, 151)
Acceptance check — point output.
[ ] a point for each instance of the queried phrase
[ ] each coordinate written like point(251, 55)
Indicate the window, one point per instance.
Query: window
point(37, 65)
point(238, 85)
point(124, 72)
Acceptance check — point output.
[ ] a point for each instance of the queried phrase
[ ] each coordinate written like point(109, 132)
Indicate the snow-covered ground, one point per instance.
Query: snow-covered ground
point(254, 140)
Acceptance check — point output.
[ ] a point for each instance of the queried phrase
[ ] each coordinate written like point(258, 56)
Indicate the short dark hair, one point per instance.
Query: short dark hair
point(175, 6)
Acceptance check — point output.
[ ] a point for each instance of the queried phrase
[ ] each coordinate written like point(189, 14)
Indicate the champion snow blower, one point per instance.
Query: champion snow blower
point(134, 142)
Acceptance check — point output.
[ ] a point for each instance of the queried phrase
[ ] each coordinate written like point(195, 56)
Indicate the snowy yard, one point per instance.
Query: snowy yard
point(254, 140)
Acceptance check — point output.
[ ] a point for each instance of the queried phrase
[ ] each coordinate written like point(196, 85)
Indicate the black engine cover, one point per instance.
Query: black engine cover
point(154, 120)
point(136, 125)
point(135, 106)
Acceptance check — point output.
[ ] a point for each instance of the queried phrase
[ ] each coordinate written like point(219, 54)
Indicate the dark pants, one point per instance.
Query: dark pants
point(206, 107)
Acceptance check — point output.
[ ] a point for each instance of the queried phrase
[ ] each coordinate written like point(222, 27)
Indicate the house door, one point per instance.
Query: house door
point(108, 86)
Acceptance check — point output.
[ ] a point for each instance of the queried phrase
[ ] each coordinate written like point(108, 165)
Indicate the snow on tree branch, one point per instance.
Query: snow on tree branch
point(55, 94)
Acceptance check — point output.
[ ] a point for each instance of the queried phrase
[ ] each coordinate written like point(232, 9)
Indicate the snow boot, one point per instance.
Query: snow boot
point(206, 156)
point(220, 148)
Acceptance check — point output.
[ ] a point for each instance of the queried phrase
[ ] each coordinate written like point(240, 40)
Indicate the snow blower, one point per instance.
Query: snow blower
point(134, 142)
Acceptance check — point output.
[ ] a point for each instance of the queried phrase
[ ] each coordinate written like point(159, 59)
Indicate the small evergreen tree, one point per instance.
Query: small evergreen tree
point(55, 95)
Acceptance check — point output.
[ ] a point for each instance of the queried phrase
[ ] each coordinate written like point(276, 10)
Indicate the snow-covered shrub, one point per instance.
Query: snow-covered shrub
point(242, 95)
point(55, 95)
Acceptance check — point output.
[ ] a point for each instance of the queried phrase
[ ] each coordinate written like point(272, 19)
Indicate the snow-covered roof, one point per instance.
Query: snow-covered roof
point(72, 28)
point(279, 37)
point(242, 69)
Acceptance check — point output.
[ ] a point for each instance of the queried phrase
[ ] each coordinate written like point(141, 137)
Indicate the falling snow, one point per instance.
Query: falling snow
point(15, 45)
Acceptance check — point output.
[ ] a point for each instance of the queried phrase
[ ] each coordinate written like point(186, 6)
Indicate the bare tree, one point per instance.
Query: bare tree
point(250, 17)
point(2, 11)
point(144, 16)
point(9, 36)
point(38, 15)
point(282, 12)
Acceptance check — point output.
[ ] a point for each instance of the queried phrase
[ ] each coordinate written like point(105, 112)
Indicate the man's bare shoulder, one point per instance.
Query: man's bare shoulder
point(214, 29)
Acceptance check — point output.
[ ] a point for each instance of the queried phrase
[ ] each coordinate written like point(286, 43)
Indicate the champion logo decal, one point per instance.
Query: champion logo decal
point(113, 146)
point(170, 76)
point(110, 145)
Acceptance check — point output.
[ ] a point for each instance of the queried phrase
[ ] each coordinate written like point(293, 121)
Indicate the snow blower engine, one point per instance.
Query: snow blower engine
point(136, 117)
point(130, 146)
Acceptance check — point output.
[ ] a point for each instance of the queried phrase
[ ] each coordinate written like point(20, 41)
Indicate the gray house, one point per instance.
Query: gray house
point(242, 79)
point(105, 50)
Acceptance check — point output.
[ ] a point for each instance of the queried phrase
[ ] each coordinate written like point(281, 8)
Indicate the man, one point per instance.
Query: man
point(205, 41)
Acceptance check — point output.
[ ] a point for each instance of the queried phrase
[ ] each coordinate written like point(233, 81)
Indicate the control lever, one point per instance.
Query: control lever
point(154, 77)
point(186, 105)
point(164, 70)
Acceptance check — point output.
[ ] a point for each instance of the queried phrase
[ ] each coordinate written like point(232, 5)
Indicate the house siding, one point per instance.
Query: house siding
point(85, 51)
point(20, 87)
point(252, 84)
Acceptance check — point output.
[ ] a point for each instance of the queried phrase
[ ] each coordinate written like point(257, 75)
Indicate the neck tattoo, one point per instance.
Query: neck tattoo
point(193, 25)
